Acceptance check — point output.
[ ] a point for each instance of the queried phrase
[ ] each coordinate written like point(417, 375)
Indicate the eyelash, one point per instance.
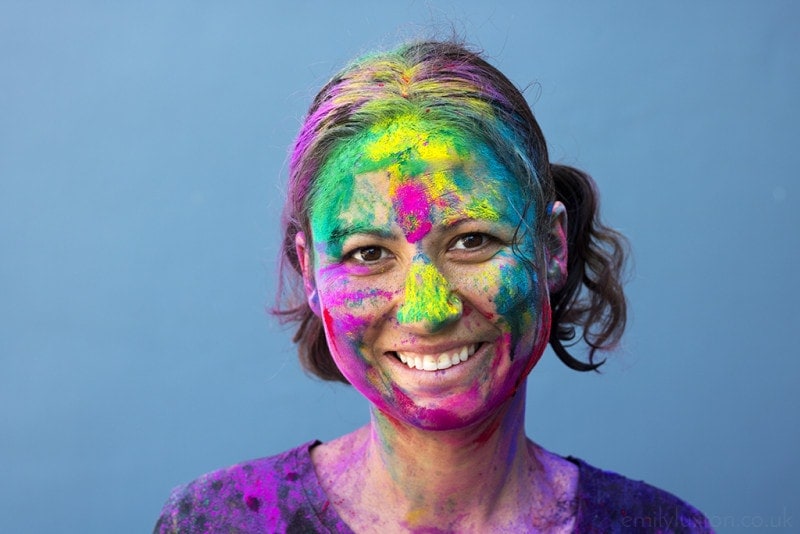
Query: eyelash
point(485, 240)
point(354, 254)
point(358, 253)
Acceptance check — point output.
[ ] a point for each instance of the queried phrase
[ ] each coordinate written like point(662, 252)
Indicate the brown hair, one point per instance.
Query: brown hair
point(454, 85)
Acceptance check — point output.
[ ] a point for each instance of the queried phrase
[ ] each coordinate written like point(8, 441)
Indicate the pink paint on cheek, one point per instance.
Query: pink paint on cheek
point(413, 210)
point(351, 324)
point(326, 317)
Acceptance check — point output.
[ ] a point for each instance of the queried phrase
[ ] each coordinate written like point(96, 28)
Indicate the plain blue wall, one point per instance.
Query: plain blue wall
point(142, 158)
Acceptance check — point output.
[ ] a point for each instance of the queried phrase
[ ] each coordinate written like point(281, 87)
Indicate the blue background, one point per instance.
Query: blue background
point(143, 150)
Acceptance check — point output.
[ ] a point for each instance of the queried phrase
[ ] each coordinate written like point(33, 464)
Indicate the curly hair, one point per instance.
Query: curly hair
point(452, 85)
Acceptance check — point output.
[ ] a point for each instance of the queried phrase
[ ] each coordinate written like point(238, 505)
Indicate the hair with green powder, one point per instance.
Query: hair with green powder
point(446, 85)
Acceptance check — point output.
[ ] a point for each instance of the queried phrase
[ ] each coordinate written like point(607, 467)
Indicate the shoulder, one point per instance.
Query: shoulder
point(609, 502)
point(272, 494)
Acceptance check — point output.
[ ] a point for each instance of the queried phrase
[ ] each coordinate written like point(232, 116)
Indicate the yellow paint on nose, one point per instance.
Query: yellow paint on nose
point(428, 301)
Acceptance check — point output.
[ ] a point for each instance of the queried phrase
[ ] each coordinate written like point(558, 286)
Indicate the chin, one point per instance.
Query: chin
point(450, 414)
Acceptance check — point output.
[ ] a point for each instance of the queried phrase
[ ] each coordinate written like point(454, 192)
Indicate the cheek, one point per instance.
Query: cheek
point(505, 290)
point(517, 298)
point(350, 315)
point(343, 292)
point(351, 307)
point(347, 337)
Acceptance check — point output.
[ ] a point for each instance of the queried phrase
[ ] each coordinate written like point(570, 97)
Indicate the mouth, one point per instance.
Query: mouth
point(437, 362)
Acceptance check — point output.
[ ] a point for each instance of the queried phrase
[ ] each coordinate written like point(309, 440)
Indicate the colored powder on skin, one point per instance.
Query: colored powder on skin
point(326, 317)
point(517, 289)
point(410, 148)
point(482, 209)
point(451, 191)
point(413, 209)
point(332, 194)
point(405, 147)
point(339, 294)
point(489, 431)
point(356, 299)
point(439, 186)
point(413, 517)
point(394, 138)
point(350, 323)
point(427, 297)
point(438, 418)
point(516, 283)
point(507, 292)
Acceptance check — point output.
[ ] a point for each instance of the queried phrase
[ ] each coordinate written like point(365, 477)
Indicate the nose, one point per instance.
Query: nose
point(428, 304)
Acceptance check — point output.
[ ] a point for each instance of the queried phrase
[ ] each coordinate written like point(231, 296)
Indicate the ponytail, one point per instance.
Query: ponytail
point(592, 297)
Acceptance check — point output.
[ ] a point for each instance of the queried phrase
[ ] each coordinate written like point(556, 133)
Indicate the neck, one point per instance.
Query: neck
point(442, 477)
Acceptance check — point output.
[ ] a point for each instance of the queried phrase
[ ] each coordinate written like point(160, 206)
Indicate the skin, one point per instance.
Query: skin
point(414, 229)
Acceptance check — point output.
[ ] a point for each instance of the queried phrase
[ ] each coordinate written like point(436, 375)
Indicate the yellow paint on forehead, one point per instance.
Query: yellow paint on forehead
point(406, 142)
point(484, 208)
point(407, 132)
point(439, 183)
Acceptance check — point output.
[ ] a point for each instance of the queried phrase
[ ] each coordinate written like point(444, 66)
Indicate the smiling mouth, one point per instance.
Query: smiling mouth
point(437, 362)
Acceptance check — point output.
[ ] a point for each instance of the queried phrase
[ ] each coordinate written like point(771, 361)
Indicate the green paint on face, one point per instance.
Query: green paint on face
point(380, 189)
point(428, 298)
point(331, 194)
point(403, 146)
point(482, 208)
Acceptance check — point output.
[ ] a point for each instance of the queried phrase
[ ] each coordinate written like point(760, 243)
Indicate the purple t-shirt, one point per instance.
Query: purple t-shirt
point(282, 494)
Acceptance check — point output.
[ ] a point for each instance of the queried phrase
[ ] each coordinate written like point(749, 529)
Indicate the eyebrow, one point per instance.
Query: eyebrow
point(457, 221)
point(340, 233)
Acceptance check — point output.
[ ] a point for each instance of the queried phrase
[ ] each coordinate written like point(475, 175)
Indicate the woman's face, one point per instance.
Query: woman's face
point(427, 309)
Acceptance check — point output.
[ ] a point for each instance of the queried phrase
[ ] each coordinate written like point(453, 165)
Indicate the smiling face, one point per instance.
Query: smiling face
point(428, 310)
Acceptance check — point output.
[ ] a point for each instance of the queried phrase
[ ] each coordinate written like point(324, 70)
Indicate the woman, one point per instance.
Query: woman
point(437, 252)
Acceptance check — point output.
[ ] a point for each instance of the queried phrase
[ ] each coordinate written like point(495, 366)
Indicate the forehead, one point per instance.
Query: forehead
point(411, 165)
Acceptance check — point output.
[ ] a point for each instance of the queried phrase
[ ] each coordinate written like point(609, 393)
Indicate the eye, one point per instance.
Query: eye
point(470, 241)
point(369, 254)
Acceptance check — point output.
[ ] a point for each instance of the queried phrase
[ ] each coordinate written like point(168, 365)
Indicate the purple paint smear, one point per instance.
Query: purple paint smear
point(283, 494)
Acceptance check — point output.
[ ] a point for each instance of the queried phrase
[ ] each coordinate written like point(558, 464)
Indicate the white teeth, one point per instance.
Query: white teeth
point(430, 362)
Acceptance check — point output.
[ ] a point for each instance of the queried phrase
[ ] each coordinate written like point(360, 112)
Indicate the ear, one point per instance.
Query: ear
point(304, 259)
point(556, 254)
